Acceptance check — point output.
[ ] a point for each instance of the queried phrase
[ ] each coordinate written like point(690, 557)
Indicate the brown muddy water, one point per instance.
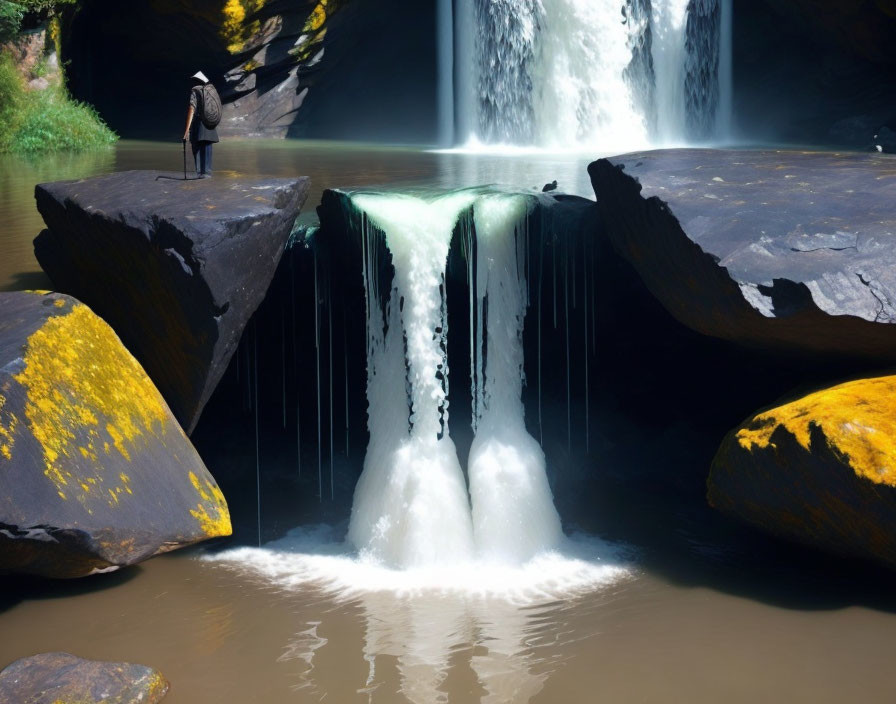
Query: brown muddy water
point(704, 611)
point(329, 165)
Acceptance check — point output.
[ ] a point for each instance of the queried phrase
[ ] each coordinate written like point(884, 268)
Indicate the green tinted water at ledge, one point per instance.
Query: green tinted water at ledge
point(329, 164)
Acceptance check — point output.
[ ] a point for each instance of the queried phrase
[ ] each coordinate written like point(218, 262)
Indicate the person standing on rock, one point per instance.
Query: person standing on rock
point(203, 118)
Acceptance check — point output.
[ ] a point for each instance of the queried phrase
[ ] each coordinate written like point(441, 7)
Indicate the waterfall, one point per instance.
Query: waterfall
point(725, 119)
point(669, 23)
point(411, 506)
point(446, 66)
point(609, 75)
point(514, 517)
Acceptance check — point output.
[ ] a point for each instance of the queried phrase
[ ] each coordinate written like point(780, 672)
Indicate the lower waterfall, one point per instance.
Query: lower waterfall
point(517, 264)
point(411, 507)
point(513, 512)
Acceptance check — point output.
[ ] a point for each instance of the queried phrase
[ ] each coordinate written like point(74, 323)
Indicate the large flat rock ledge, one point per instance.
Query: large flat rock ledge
point(780, 250)
point(176, 267)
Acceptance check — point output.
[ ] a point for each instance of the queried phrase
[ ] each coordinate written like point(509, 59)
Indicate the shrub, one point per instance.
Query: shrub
point(47, 120)
point(11, 14)
point(52, 121)
point(12, 93)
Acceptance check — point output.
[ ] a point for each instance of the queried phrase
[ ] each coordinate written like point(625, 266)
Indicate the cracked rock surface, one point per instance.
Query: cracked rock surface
point(175, 267)
point(776, 249)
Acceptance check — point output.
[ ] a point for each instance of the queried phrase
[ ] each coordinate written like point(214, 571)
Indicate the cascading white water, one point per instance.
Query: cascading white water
point(415, 528)
point(411, 506)
point(668, 24)
point(514, 517)
point(446, 66)
point(609, 75)
point(724, 119)
point(580, 94)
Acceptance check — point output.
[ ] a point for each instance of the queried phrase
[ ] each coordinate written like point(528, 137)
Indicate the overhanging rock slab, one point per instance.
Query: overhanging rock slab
point(175, 267)
point(785, 250)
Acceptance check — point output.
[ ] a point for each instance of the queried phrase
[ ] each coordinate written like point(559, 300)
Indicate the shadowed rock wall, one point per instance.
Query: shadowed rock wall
point(333, 69)
point(814, 71)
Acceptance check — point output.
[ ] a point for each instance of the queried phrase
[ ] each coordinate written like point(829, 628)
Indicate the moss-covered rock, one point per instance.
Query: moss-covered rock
point(95, 472)
point(60, 678)
point(819, 470)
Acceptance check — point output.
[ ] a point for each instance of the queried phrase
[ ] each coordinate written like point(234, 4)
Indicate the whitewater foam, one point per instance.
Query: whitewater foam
point(317, 556)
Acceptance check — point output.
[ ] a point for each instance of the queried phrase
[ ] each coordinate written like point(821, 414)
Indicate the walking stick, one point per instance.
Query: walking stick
point(185, 160)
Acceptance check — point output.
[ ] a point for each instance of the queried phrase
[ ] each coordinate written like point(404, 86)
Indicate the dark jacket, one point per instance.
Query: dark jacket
point(198, 131)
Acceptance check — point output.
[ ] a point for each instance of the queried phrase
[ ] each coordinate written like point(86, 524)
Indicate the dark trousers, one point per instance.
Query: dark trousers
point(202, 154)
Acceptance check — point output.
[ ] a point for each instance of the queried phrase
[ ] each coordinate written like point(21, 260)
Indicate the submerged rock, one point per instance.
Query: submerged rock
point(175, 267)
point(60, 678)
point(819, 470)
point(95, 472)
point(779, 250)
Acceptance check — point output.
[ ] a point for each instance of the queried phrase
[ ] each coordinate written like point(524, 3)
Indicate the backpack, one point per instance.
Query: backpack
point(209, 108)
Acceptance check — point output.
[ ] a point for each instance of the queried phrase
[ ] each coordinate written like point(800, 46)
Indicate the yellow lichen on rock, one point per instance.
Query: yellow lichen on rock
point(8, 423)
point(317, 17)
point(234, 29)
point(214, 522)
point(82, 387)
point(314, 29)
point(157, 686)
point(858, 419)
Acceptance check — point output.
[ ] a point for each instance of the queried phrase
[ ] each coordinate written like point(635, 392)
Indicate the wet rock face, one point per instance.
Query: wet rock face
point(820, 470)
point(53, 678)
point(866, 27)
point(95, 472)
point(784, 251)
point(814, 71)
point(175, 267)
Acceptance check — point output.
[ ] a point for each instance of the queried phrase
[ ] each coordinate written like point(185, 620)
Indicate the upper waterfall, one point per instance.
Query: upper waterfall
point(597, 74)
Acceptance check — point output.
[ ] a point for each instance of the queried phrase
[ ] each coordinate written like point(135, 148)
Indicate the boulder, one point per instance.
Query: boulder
point(60, 678)
point(95, 472)
point(788, 251)
point(820, 470)
point(175, 267)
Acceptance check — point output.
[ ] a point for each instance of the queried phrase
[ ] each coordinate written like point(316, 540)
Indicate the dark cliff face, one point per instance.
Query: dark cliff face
point(133, 61)
point(378, 78)
point(337, 69)
point(814, 71)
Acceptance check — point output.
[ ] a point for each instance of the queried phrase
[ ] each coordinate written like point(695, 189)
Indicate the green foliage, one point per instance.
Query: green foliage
point(11, 97)
point(41, 69)
point(55, 122)
point(44, 5)
point(47, 120)
point(11, 14)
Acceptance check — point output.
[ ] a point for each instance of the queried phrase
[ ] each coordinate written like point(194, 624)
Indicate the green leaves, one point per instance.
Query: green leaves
point(11, 14)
